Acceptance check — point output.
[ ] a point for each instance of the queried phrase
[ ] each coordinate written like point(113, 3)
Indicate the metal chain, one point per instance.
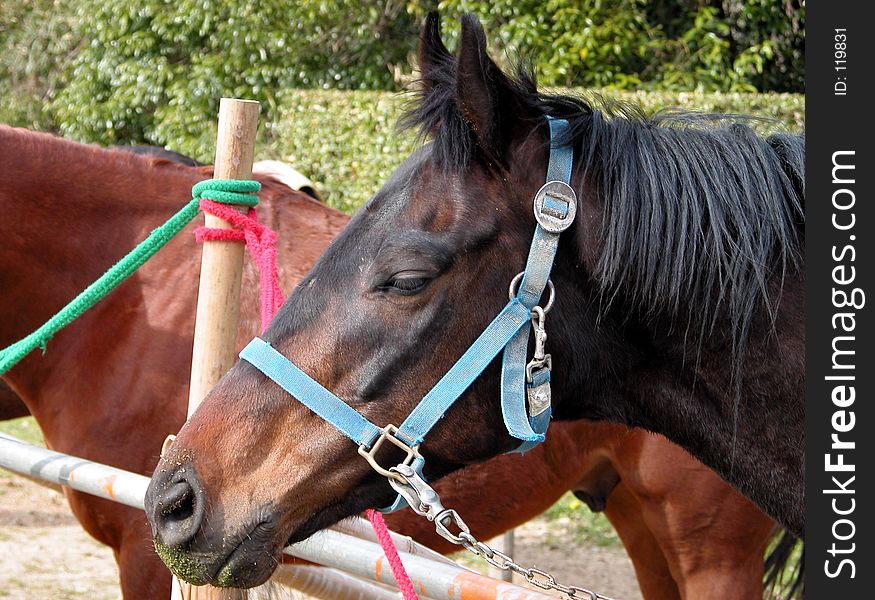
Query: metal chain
point(500, 560)
point(425, 501)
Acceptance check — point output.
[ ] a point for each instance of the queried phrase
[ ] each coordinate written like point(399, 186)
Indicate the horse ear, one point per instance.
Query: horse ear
point(484, 94)
point(432, 53)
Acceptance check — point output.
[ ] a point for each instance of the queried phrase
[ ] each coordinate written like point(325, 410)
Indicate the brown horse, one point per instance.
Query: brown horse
point(688, 533)
point(666, 316)
point(112, 384)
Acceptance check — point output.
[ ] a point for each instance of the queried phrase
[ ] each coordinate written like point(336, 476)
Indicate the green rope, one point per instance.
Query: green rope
point(227, 191)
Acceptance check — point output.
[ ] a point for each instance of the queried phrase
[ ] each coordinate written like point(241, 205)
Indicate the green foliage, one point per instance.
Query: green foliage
point(592, 43)
point(348, 143)
point(733, 45)
point(36, 41)
point(154, 70)
point(24, 428)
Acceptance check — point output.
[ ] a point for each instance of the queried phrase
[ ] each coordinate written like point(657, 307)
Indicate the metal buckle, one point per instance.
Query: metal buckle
point(444, 520)
point(546, 362)
point(388, 433)
point(552, 218)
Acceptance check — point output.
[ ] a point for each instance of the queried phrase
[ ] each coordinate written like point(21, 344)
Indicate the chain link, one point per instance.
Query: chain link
point(425, 501)
point(500, 560)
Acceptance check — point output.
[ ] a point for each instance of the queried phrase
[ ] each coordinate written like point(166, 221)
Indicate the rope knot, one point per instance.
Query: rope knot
point(227, 191)
point(213, 196)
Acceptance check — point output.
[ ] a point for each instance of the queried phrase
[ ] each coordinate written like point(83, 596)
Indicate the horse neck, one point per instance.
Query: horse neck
point(671, 381)
point(673, 373)
point(73, 211)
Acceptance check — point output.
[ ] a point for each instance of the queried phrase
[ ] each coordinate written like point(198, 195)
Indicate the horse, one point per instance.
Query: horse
point(678, 309)
point(140, 342)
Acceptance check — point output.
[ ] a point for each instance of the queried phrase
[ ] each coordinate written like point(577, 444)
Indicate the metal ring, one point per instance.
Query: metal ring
point(511, 291)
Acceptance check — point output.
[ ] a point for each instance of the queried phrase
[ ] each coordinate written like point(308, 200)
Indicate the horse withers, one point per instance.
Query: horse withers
point(667, 315)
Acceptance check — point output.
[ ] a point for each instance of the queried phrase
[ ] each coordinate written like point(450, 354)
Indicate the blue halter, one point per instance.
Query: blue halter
point(525, 387)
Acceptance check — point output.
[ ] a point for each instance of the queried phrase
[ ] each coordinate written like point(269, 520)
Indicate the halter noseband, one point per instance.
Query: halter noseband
point(526, 415)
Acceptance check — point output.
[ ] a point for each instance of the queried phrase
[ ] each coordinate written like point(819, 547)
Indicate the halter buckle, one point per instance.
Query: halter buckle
point(387, 433)
point(555, 206)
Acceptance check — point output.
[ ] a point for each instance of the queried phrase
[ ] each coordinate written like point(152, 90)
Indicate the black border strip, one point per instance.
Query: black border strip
point(839, 241)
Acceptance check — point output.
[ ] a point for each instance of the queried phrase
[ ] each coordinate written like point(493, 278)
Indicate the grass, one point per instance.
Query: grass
point(25, 429)
point(575, 520)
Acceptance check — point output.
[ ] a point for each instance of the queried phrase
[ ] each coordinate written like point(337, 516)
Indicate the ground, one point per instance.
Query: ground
point(45, 554)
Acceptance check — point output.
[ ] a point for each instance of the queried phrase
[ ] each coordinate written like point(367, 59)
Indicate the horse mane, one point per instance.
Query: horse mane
point(700, 213)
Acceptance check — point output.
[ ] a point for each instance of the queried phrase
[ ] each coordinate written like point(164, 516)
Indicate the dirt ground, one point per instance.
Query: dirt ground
point(45, 554)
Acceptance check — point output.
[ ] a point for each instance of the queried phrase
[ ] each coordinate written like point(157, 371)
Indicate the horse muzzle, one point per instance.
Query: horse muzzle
point(200, 550)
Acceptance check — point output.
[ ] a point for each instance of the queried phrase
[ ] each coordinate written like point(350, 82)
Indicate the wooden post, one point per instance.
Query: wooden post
point(502, 543)
point(218, 302)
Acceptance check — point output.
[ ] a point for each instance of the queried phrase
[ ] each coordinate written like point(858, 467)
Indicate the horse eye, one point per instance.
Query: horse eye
point(406, 283)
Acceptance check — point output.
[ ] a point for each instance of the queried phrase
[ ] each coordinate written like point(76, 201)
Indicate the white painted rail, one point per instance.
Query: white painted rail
point(342, 547)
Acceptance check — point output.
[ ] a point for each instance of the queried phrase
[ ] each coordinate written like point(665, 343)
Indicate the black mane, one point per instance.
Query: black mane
point(701, 213)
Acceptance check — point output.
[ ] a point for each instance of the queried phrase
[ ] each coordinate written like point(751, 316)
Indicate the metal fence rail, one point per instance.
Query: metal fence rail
point(345, 547)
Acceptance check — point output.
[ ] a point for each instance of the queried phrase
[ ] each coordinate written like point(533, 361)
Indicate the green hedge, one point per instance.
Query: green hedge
point(348, 143)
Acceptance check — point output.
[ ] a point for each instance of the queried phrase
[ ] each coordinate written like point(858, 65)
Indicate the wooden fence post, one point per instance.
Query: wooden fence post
point(503, 543)
point(218, 303)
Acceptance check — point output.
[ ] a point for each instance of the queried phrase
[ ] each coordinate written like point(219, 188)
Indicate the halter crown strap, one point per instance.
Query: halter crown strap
point(532, 428)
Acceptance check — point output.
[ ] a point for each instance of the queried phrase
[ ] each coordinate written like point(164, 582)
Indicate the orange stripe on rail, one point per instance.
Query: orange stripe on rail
point(106, 484)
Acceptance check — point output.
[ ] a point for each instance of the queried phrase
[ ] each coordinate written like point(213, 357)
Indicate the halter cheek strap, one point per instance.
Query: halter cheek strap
point(525, 387)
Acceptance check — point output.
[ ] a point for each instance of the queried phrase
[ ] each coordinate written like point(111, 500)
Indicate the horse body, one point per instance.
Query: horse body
point(679, 311)
point(688, 533)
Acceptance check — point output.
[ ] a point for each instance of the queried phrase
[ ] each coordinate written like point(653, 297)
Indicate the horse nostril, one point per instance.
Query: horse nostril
point(177, 509)
point(178, 503)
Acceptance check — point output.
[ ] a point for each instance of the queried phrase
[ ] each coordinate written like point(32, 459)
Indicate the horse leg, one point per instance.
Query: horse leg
point(651, 568)
point(712, 538)
point(141, 572)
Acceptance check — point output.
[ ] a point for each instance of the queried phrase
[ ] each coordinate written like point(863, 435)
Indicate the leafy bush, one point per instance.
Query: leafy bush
point(36, 42)
point(347, 141)
point(728, 45)
point(153, 71)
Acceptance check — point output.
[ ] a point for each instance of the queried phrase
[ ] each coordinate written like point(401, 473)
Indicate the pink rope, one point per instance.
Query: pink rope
point(398, 571)
point(261, 243)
